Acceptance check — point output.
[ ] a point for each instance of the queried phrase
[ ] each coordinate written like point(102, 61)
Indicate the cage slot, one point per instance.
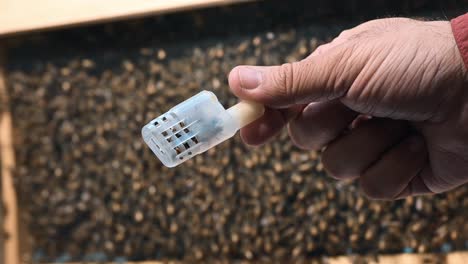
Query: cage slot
point(173, 129)
point(187, 126)
point(186, 145)
point(178, 150)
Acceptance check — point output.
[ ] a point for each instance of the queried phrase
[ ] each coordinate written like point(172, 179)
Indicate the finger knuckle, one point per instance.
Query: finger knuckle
point(344, 33)
point(320, 48)
point(286, 80)
point(285, 76)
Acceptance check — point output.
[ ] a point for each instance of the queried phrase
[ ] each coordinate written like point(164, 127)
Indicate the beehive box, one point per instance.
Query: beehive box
point(89, 190)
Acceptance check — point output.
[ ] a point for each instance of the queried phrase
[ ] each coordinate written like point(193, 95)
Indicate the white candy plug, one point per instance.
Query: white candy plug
point(196, 125)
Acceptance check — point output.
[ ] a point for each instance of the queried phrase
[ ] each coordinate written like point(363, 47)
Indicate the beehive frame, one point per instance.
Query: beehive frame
point(15, 246)
point(36, 17)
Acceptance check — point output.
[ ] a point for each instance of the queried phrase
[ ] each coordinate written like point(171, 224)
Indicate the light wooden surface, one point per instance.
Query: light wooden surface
point(28, 15)
point(394, 259)
point(452, 258)
point(458, 257)
point(11, 245)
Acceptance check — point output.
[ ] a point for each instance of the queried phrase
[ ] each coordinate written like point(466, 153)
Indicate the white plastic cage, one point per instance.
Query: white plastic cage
point(196, 125)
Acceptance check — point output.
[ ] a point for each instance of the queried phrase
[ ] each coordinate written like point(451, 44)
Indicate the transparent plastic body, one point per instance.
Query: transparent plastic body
point(190, 128)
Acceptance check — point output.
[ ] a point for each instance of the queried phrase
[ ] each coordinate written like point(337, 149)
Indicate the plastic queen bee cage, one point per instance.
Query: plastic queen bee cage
point(196, 125)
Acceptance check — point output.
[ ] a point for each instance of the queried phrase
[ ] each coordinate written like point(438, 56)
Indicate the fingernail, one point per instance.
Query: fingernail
point(416, 143)
point(249, 78)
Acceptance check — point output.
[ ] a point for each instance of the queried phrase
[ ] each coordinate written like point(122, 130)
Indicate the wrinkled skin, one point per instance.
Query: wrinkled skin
point(386, 99)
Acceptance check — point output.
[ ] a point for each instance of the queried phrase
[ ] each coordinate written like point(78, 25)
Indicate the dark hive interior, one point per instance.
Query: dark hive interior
point(91, 190)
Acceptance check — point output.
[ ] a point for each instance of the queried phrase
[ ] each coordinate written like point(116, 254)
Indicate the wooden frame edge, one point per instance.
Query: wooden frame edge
point(20, 16)
point(10, 223)
point(459, 257)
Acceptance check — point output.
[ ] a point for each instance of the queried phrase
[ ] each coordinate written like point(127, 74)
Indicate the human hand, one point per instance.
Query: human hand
point(407, 75)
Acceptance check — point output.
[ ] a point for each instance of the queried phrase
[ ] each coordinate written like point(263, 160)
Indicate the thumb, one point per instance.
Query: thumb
point(323, 76)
